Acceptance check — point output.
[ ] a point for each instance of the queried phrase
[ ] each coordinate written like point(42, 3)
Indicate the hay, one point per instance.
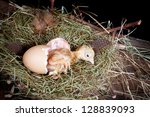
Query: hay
point(83, 81)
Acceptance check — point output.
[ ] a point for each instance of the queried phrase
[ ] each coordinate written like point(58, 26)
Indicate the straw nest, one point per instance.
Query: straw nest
point(107, 79)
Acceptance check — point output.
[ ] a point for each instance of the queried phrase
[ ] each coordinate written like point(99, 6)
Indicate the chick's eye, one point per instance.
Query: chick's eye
point(87, 55)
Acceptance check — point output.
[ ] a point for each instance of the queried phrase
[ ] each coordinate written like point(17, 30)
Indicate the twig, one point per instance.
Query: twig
point(132, 24)
point(100, 30)
point(105, 30)
point(85, 23)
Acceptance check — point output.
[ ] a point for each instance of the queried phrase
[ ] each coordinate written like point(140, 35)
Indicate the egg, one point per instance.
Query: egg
point(35, 59)
point(58, 43)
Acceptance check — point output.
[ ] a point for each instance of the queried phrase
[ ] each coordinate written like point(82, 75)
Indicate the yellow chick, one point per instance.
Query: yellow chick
point(59, 60)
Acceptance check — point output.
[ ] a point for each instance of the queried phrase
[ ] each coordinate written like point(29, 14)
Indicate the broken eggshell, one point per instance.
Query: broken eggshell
point(58, 43)
point(35, 59)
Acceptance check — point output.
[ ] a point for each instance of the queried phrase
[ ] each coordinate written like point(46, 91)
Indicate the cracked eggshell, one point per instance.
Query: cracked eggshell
point(35, 59)
point(58, 43)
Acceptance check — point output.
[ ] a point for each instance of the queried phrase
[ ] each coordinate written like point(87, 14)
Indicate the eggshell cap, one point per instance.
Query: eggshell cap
point(35, 59)
point(58, 43)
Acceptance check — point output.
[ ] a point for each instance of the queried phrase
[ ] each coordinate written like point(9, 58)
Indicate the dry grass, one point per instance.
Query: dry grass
point(83, 81)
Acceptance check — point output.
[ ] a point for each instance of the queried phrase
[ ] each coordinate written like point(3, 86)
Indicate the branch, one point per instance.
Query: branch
point(85, 23)
point(132, 24)
point(100, 30)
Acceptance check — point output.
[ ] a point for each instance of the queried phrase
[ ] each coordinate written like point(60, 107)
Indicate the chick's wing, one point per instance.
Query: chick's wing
point(59, 60)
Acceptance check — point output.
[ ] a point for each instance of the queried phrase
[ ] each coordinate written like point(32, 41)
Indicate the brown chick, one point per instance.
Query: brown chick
point(42, 20)
point(39, 25)
point(59, 60)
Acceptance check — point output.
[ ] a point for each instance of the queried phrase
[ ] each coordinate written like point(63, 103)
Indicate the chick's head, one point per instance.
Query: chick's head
point(86, 53)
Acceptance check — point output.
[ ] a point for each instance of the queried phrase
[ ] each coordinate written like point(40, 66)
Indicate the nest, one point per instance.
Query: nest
point(116, 73)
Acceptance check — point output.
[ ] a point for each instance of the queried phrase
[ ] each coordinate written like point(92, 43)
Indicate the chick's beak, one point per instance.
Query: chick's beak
point(92, 61)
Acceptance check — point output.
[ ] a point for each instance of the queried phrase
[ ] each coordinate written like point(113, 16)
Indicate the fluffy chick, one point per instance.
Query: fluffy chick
point(59, 60)
point(42, 20)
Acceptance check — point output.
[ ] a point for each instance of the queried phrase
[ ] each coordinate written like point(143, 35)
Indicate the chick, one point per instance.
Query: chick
point(42, 20)
point(85, 53)
point(60, 60)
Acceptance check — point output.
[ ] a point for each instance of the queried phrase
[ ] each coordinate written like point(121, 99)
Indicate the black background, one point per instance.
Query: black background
point(106, 10)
